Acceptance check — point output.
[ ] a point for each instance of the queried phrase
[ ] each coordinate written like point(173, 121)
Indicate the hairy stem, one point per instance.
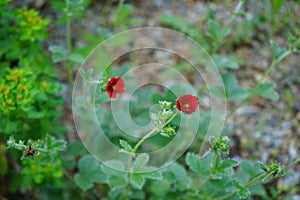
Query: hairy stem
point(256, 179)
point(150, 133)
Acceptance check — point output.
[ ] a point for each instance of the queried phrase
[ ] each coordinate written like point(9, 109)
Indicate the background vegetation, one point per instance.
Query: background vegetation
point(255, 44)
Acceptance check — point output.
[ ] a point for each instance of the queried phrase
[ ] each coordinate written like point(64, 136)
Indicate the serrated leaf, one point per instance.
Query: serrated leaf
point(250, 168)
point(55, 145)
point(116, 182)
point(228, 163)
point(266, 90)
point(88, 164)
point(216, 31)
point(75, 149)
point(193, 161)
point(137, 194)
point(126, 146)
point(98, 176)
point(160, 188)
point(155, 175)
point(137, 180)
point(242, 192)
point(263, 166)
point(206, 163)
point(182, 180)
point(223, 62)
point(257, 189)
point(83, 182)
point(140, 162)
point(110, 171)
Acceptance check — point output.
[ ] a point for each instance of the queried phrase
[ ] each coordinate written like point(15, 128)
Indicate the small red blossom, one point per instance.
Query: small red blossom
point(115, 85)
point(187, 103)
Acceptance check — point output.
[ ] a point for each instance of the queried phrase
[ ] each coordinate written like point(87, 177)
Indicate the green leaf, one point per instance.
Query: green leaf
point(59, 53)
point(83, 182)
point(216, 31)
point(232, 90)
point(116, 182)
point(137, 180)
point(206, 163)
point(76, 58)
point(266, 90)
point(156, 175)
point(88, 164)
point(228, 163)
point(137, 194)
point(98, 176)
point(182, 180)
point(257, 189)
point(160, 188)
point(193, 161)
point(54, 144)
point(110, 171)
point(75, 149)
point(36, 114)
point(242, 192)
point(278, 53)
point(140, 162)
point(263, 166)
point(125, 145)
point(223, 62)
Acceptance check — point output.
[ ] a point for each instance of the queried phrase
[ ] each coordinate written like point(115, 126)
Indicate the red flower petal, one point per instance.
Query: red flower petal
point(187, 103)
point(114, 86)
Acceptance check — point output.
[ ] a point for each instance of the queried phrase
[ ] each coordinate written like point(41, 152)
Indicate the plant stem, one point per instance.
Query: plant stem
point(273, 64)
point(235, 12)
point(150, 133)
point(249, 183)
point(254, 180)
point(143, 139)
point(292, 163)
point(212, 169)
point(166, 123)
point(69, 42)
point(228, 24)
point(121, 2)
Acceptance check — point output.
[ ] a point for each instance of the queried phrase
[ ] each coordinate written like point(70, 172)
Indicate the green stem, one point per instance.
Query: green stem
point(228, 24)
point(253, 181)
point(166, 123)
point(273, 64)
point(143, 139)
point(23, 148)
point(121, 2)
point(235, 12)
point(249, 183)
point(292, 163)
point(212, 169)
point(150, 133)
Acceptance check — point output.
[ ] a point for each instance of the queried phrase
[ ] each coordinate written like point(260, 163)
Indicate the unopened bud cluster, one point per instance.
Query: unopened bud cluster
point(160, 118)
point(220, 144)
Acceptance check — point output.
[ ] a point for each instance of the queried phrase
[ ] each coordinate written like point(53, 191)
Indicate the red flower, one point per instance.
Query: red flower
point(114, 86)
point(187, 103)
